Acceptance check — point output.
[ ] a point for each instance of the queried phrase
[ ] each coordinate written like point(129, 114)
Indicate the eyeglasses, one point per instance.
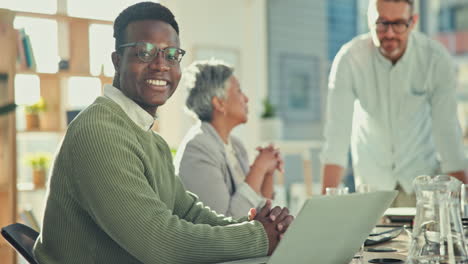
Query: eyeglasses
point(147, 52)
point(398, 27)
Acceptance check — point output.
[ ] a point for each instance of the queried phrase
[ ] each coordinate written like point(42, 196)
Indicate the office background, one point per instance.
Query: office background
point(282, 51)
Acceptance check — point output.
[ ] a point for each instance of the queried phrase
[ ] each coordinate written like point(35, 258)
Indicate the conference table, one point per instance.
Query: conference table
point(400, 243)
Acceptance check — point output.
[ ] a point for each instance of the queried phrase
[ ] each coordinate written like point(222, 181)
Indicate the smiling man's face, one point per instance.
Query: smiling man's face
point(391, 44)
point(149, 84)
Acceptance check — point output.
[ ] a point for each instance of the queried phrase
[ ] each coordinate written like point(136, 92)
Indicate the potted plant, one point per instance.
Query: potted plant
point(269, 110)
point(32, 114)
point(270, 126)
point(39, 162)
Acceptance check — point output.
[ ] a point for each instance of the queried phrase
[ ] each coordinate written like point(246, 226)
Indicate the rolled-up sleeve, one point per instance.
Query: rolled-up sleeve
point(446, 129)
point(340, 107)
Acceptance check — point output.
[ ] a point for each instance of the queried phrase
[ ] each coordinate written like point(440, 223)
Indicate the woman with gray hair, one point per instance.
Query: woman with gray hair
point(210, 161)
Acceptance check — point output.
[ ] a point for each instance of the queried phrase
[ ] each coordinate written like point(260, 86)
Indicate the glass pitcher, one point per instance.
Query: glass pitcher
point(437, 229)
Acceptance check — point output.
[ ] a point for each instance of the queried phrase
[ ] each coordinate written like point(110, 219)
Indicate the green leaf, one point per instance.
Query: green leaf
point(38, 107)
point(269, 110)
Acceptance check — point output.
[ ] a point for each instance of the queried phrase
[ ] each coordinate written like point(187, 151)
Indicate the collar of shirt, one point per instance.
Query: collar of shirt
point(228, 146)
point(137, 114)
point(234, 164)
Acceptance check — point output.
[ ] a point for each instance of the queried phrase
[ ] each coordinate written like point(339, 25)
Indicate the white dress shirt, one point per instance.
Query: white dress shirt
point(137, 114)
point(231, 156)
point(400, 120)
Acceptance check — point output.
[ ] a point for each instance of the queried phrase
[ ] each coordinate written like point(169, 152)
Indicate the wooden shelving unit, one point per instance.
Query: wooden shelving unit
point(7, 131)
point(52, 87)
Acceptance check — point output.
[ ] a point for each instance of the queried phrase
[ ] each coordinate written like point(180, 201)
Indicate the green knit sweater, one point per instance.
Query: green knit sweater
point(113, 198)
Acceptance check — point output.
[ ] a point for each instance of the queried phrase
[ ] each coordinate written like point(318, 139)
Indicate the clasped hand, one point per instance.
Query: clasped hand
point(275, 221)
point(270, 158)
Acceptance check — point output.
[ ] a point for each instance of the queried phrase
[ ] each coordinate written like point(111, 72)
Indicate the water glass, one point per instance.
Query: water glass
point(336, 191)
point(364, 188)
point(464, 208)
point(464, 201)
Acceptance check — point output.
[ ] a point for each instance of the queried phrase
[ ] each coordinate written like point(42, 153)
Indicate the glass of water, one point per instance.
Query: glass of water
point(464, 208)
point(464, 201)
point(364, 188)
point(336, 191)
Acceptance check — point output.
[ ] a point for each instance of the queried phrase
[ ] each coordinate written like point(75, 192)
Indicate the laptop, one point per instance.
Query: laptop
point(329, 229)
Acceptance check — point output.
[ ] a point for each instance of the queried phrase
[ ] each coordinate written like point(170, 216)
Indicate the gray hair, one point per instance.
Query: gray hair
point(205, 80)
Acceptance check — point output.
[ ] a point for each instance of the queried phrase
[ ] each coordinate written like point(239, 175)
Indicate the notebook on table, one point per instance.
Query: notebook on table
point(329, 229)
point(401, 215)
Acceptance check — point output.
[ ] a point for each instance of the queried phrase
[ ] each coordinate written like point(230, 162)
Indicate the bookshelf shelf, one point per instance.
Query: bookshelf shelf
point(53, 87)
point(60, 17)
point(28, 187)
point(8, 213)
point(62, 74)
point(4, 248)
point(4, 187)
point(40, 131)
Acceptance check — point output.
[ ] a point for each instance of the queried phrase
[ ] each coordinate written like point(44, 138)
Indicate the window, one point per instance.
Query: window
point(30, 144)
point(101, 46)
point(27, 89)
point(44, 41)
point(302, 100)
point(342, 24)
point(27, 92)
point(94, 9)
point(461, 18)
point(39, 6)
point(446, 19)
point(82, 91)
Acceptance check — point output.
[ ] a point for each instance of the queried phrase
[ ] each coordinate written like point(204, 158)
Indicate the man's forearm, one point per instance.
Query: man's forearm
point(331, 176)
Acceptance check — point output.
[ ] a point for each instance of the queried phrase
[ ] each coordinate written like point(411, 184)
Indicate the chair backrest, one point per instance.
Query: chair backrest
point(22, 238)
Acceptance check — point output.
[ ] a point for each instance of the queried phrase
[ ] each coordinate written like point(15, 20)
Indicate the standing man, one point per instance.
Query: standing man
point(392, 99)
point(113, 196)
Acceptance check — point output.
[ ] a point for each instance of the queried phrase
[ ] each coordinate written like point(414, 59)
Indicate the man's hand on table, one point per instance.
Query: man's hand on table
point(275, 221)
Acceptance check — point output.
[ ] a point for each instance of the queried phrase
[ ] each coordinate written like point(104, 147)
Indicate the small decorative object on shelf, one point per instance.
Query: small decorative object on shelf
point(269, 110)
point(64, 65)
point(32, 114)
point(39, 163)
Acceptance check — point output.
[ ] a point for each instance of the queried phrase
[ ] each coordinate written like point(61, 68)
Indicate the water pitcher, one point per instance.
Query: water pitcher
point(437, 236)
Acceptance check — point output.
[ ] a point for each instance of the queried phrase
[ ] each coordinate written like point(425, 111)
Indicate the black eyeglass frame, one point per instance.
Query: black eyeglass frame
point(394, 25)
point(134, 44)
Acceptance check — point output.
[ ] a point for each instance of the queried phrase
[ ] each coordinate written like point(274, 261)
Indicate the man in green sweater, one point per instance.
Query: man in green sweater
point(113, 196)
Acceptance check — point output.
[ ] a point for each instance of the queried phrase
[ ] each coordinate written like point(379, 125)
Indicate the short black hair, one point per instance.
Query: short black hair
point(141, 11)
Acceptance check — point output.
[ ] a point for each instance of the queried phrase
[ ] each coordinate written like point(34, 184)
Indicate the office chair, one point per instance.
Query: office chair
point(22, 238)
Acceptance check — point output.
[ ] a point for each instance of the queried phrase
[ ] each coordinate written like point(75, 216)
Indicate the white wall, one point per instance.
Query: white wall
point(235, 25)
point(298, 32)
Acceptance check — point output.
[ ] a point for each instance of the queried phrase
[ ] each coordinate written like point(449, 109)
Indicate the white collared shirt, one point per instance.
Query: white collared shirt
point(231, 155)
point(137, 114)
point(242, 187)
point(396, 118)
